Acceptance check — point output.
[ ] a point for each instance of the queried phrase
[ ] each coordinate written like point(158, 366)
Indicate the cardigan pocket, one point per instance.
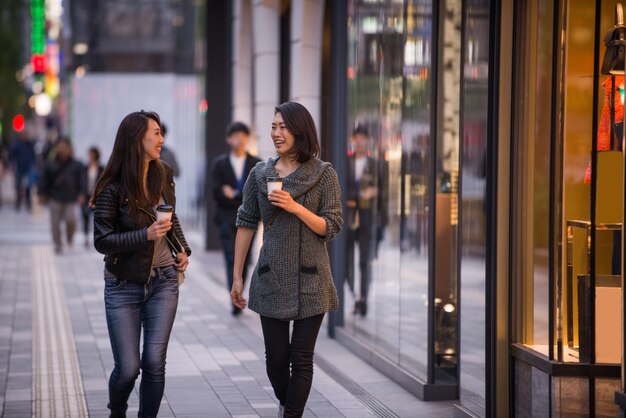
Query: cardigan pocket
point(267, 280)
point(309, 279)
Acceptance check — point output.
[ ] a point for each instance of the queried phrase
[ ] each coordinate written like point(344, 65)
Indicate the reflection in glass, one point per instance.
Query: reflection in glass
point(473, 205)
point(387, 200)
point(447, 194)
point(414, 191)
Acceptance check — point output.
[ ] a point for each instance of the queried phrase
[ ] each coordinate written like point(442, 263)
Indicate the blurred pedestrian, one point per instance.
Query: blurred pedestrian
point(229, 174)
point(91, 174)
point(143, 259)
point(361, 202)
point(62, 187)
point(167, 154)
point(292, 280)
point(3, 166)
point(22, 156)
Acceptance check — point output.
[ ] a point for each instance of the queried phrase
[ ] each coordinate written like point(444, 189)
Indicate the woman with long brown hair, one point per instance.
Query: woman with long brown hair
point(143, 258)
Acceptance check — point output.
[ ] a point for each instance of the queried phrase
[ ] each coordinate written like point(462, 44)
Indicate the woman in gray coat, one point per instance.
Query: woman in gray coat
point(292, 279)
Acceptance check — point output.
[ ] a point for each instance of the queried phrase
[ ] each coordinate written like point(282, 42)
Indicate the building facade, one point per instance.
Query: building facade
point(490, 254)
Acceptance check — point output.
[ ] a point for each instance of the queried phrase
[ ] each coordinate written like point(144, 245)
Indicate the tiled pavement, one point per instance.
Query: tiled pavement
point(55, 355)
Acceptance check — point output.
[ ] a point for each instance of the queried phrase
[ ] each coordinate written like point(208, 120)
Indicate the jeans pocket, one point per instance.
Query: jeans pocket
point(112, 282)
point(169, 275)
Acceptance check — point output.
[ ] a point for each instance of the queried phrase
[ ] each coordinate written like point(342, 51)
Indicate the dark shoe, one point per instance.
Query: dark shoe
point(360, 308)
point(117, 414)
point(236, 311)
point(363, 308)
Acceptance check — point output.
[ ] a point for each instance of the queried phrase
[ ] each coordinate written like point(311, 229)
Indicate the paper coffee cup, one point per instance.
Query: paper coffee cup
point(164, 211)
point(274, 183)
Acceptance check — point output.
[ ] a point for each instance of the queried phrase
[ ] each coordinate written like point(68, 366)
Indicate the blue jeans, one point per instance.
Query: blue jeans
point(129, 306)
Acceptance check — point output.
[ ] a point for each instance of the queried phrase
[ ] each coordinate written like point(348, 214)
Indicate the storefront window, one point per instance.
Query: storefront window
point(569, 164)
point(568, 203)
point(473, 236)
point(532, 124)
point(387, 196)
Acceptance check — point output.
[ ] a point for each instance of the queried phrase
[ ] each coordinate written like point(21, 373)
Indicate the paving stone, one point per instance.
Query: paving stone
point(216, 362)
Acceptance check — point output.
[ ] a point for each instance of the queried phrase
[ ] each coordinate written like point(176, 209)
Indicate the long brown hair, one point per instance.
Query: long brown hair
point(125, 165)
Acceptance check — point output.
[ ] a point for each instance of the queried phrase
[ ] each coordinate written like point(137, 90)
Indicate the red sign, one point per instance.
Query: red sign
point(38, 62)
point(18, 123)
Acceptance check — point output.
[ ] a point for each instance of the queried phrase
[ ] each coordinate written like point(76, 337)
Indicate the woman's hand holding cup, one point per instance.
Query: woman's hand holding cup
point(159, 228)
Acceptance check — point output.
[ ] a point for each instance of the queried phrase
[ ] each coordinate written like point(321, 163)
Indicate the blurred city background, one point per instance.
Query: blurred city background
point(477, 145)
point(74, 69)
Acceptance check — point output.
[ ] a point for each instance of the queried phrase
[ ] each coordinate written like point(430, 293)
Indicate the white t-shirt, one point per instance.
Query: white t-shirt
point(359, 167)
point(238, 164)
point(92, 178)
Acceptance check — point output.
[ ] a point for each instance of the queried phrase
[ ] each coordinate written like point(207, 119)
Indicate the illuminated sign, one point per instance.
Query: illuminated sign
point(38, 35)
point(38, 26)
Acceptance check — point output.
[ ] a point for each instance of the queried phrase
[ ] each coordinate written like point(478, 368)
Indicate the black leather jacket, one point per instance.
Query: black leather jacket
point(123, 239)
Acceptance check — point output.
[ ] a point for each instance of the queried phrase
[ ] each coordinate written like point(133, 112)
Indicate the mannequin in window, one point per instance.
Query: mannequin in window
point(610, 136)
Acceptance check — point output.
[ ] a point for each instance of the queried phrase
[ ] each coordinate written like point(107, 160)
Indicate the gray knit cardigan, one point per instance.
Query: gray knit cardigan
point(292, 278)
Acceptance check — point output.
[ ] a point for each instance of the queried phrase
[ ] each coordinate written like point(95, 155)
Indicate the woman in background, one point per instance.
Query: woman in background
point(92, 173)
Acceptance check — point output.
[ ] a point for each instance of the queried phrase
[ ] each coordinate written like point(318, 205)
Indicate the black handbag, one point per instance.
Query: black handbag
point(615, 42)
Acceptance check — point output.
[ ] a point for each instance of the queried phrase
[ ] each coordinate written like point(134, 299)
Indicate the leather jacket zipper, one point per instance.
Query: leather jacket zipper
point(153, 247)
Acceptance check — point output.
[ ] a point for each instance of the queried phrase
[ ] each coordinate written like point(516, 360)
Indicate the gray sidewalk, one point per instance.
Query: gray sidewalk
point(55, 356)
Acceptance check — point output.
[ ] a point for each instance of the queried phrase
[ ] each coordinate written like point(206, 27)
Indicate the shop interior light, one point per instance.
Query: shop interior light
point(448, 307)
point(369, 24)
point(80, 48)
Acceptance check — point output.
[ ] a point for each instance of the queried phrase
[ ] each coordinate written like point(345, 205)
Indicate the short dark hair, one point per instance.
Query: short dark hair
point(63, 139)
point(237, 127)
point(163, 129)
point(360, 130)
point(299, 123)
point(96, 152)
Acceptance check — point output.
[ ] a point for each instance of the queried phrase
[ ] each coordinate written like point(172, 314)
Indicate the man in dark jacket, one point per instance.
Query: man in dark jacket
point(62, 187)
point(23, 158)
point(362, 195)
point(229, 174)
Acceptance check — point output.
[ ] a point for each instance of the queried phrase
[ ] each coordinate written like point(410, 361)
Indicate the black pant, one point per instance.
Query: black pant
point(86, 213)
point(364, 237)
point(22, 188)
point(228, 233)
point(291, 388)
